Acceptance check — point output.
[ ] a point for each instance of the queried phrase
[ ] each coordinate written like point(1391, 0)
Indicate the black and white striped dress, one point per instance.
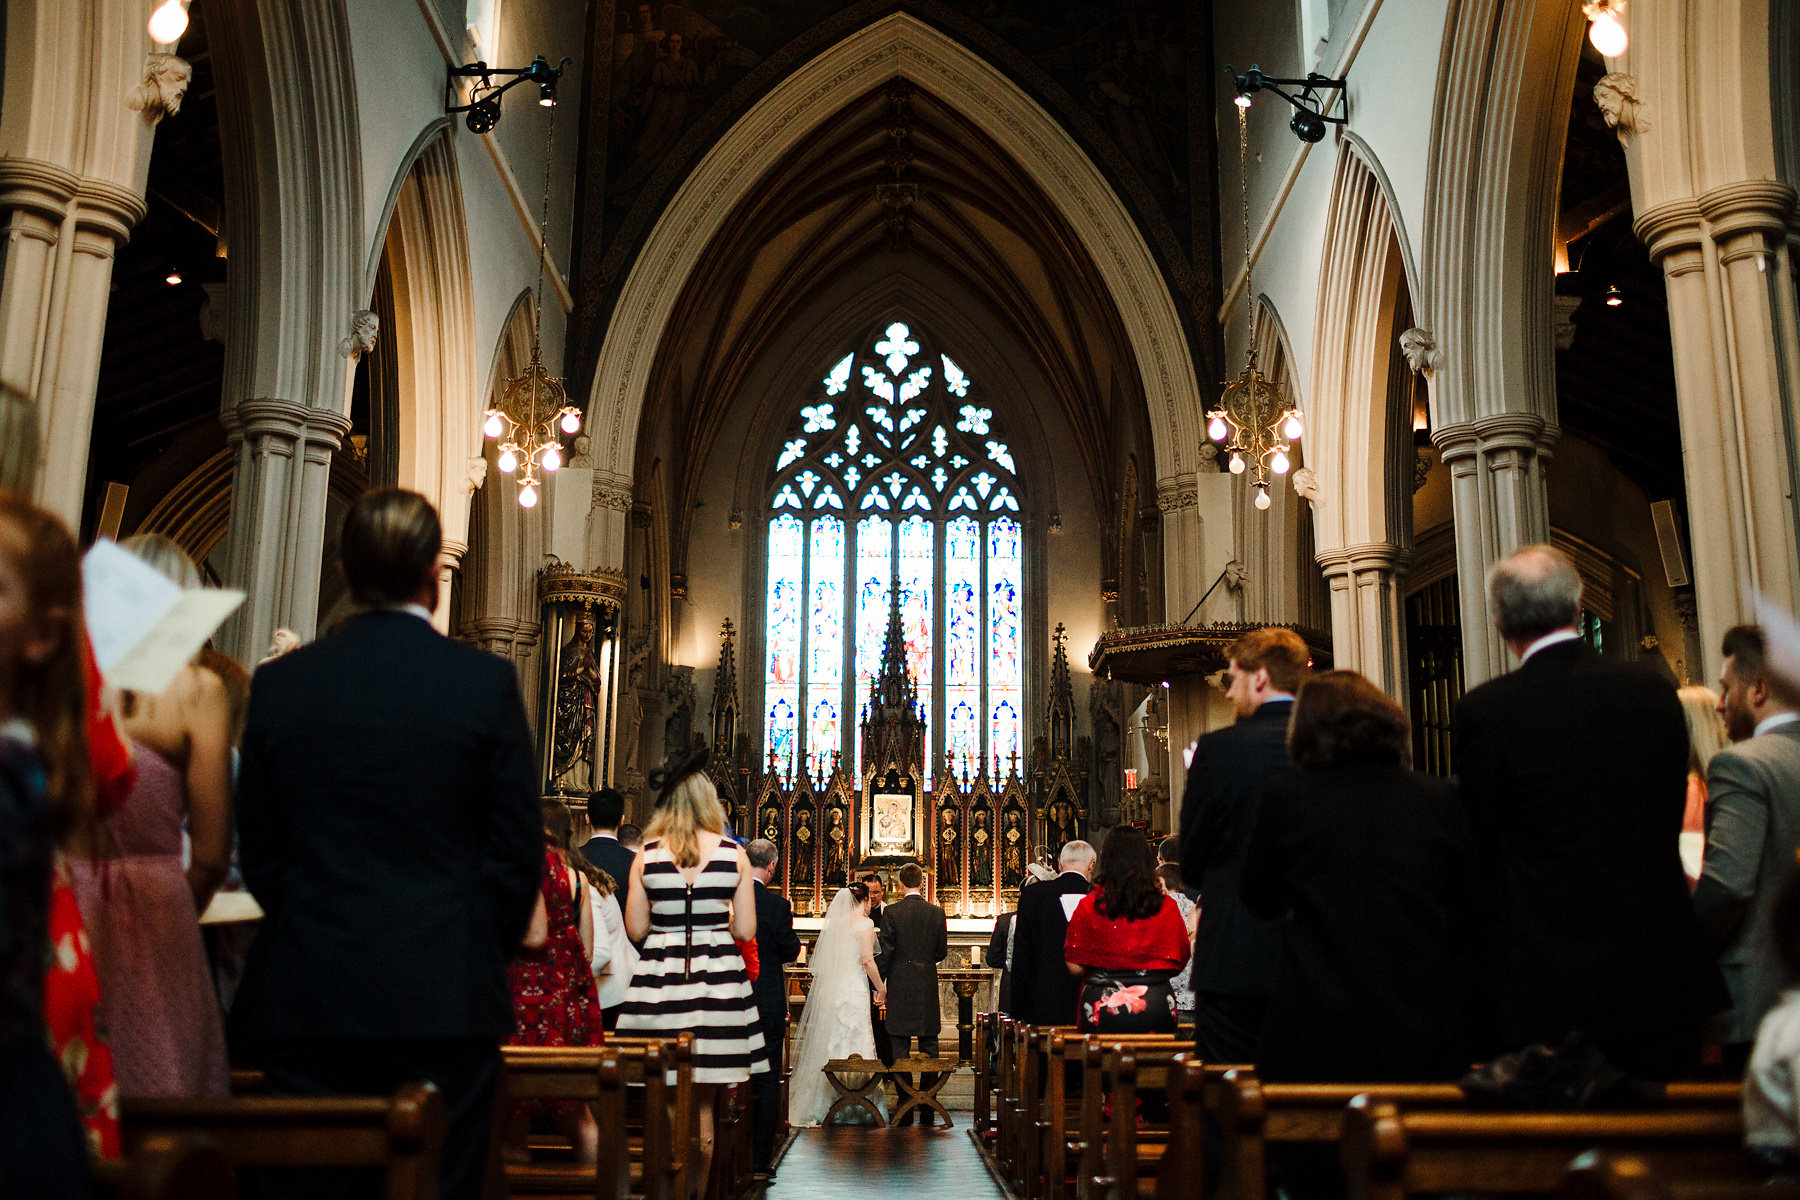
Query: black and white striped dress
point(691, 975)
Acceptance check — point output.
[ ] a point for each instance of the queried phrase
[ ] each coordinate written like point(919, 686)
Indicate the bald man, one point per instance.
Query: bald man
point(1574, 771)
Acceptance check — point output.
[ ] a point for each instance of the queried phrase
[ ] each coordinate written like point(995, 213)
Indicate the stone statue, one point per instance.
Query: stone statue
point(1617, 96)
point(476, 474)
point(364, 325)
point(1306, 485)
point(581, 454)
point(1421, 350)
point(577, 689)
point(949, 850)
point(981, 855)
point(837, 848)
point(165, 83)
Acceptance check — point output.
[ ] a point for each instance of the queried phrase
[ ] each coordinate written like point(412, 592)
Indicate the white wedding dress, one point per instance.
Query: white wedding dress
point(835, 1022)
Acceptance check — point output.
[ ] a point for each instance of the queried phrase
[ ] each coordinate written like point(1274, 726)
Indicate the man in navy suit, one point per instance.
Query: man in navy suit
point(776, 946)
point(388, 824)
point(605, 809)
point(1235, 952)
point(1043, 991)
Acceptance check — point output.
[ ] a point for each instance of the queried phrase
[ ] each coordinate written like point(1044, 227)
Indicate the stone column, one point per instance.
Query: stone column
point(283, 451)
point(1497, 488)
point(1368, 618)
point(1732, 314)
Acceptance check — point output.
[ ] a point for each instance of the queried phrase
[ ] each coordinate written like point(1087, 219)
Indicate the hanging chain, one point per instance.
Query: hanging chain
point(537, 301)
point(1244, 194)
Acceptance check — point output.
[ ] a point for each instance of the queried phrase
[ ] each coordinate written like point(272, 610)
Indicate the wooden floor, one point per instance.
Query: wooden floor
point(914, 1163)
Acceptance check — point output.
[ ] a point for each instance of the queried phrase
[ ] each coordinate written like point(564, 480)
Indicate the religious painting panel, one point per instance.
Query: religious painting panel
point(802, 852)
point(949, 852)
point(837, 849)
point(1014, 842)
point(981, 854)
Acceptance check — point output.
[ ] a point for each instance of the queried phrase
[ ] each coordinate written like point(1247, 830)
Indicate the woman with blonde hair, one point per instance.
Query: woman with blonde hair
point(1706, 737)
point(690, 894)
point(140, 902)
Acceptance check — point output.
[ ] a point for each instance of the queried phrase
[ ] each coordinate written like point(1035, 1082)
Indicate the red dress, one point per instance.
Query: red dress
point(554, 999)
point(71, 985)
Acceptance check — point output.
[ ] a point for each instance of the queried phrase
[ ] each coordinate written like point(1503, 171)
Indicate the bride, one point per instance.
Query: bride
point(835, 1022)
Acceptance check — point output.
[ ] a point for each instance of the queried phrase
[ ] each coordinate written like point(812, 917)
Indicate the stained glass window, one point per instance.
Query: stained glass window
point(900, 485)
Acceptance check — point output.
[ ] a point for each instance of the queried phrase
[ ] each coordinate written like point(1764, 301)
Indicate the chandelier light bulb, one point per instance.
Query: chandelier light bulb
point(168, 23)
point(1237, 464)
point(509, 462)
point(1607, 35)
point(552, 458)
point(1241, 100)
point(571, 421)
point(528, 496)
point(1279, 464)
point(1216, 429)
point(492, 427)
point(1292, 429)
point(1262, 497)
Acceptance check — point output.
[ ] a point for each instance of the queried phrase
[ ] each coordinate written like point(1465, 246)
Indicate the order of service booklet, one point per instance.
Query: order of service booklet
point(144, 626)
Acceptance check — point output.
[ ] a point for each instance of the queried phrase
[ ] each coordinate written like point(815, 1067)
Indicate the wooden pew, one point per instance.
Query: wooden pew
point(1034, 1095)
point(166, 1166)
point(641, 1116)
point(1252, 1115)
point(1598, 1175)
point(1062, 1128)
point(733, 1146)
point(1115, 1153)
point(984, 1080)
point(1389, 1154)
point(402, 1135)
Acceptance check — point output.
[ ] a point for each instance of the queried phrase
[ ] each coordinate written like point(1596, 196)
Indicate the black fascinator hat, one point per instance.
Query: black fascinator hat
point(667, 775)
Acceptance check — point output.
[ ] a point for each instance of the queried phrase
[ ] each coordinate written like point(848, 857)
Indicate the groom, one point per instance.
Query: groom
point(914, 940)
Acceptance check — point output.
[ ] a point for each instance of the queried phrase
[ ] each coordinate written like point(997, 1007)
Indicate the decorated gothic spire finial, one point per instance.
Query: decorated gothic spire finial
point(725, 698)
point(1060, 713)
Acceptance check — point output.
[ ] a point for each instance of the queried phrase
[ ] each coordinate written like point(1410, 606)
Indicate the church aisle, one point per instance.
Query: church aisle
point(920, 1164)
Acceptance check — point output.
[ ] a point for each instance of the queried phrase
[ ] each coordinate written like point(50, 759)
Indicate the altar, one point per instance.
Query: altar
point(973, 832)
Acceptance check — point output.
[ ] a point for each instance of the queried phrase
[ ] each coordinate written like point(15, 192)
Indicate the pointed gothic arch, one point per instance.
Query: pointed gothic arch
point(898, 45)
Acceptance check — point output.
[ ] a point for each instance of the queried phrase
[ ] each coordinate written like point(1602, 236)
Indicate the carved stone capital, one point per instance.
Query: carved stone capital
point(165, 82)
point(608, 493)
point(365, 325)
point(1421, 350)
point(1565, 307)
point(37, 186)
point(264, 419)
point(1755, 206)
point(1173, 495)
point(1364, 558)
point(1498, 432)
point(105, 215)
point(1617, 96)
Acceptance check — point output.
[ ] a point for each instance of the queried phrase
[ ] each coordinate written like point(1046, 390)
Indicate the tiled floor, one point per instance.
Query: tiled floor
point(915, 1163)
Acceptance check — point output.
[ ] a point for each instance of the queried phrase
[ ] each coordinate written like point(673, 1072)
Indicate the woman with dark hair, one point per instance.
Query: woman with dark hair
point(1126, 940)
point(1367, 865)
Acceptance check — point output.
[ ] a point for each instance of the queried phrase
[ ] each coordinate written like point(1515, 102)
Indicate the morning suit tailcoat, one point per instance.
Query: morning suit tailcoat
point(1368, 869)
point(388, 824)
point(1574, 772)
point(1234, 950)
point(1752, 831)
point(1043, 991)
point(915, 937)
point(610, 856)
point(776, 946)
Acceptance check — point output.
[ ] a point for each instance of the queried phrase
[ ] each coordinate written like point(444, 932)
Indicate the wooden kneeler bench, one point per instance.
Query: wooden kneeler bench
point(165, 1166)
point(909, 1078)
point(401, 1135)
point(841, 1072)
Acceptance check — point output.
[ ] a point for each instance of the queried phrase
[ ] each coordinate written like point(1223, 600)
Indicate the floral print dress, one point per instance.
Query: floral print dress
point(554, 999)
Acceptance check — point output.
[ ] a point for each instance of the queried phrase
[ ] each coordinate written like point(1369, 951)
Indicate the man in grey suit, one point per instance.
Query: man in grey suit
point(915, 937)
point(1752, 832)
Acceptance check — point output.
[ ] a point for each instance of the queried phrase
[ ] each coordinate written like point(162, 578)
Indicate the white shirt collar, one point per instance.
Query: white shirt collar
point(417, 610)
point(1778, 719)
point(1549, 639)
point(18, 729)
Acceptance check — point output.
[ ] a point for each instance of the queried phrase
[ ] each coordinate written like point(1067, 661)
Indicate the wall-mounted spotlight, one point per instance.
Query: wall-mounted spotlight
point(484, 108)
point(1311, 112)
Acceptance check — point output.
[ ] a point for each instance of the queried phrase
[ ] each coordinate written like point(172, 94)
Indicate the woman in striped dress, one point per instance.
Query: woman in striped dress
point(690, 894)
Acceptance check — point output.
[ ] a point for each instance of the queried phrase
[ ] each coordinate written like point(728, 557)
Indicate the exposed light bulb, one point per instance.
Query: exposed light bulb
point(1237, 464)
point(528, 496)
point(1279, 463)
point(1262, 497)
point(1241, 100)
point(552, 459)
point(492, 426)
point(1216, 429)
point(1292, 429)
point(1607, 35)
point(173, 278)
point(571, 421)
point(509, 462)
point(168, 23)
point(1613, 297)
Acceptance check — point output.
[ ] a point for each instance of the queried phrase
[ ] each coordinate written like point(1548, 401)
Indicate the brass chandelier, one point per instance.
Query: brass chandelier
point(1252, 421)
point(533, 406)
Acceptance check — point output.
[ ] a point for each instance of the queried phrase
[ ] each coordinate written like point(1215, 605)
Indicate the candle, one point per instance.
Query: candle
point(975, 956)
